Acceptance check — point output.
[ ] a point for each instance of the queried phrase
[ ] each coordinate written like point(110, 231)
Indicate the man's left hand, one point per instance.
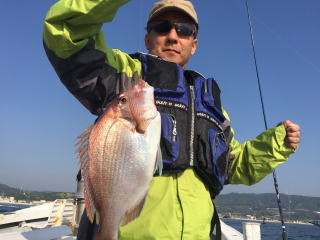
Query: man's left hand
point(292, 139)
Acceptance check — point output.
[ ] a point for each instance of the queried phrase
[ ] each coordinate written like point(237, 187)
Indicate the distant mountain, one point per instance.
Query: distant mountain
point(18, 194)
point(6, 190)
point(265, 205)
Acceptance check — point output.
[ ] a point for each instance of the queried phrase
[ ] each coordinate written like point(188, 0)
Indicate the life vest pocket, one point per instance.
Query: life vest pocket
point(169, 138)
point(219, 149)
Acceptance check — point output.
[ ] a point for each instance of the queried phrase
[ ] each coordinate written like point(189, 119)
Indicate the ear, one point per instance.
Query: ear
point(194, 46)
point(147, 41)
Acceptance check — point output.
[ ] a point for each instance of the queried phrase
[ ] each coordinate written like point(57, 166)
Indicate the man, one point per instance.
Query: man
point(197, 144)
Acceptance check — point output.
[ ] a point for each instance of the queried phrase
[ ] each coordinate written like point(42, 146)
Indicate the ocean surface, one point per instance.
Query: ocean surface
point(9, 207)
point(273, 230)
point(269, 230)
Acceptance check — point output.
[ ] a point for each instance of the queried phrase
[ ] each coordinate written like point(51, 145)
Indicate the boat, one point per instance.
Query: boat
point(60, 220)
point(315, 222)
point(53, 220)
point(56, 220)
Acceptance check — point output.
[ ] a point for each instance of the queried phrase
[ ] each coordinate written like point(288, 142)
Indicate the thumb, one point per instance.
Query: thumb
point(287, 123)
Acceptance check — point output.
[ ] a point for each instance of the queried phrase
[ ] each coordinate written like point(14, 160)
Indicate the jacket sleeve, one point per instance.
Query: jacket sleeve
point(76, 48)
point(255, 159)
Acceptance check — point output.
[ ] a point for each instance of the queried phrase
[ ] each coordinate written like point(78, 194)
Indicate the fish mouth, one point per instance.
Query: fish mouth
point(143, 83)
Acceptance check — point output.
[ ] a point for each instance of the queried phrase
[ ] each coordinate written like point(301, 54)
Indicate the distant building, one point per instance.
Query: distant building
point(251, 217)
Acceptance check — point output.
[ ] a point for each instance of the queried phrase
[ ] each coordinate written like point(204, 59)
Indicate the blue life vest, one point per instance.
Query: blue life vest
point(195, 133)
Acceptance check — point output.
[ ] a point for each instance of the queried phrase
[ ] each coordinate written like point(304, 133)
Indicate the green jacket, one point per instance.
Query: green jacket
point(178, 206)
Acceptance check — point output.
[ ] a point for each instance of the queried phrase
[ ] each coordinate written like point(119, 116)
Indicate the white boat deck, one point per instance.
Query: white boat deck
point(65, 233)
point(56, 233)
point(55, 220)
point(27, 214)
point(229, 233)
point(59, 212)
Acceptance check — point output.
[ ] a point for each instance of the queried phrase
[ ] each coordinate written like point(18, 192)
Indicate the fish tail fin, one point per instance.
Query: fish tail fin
point(134, 212)
point(159, 164)
point(83, 145)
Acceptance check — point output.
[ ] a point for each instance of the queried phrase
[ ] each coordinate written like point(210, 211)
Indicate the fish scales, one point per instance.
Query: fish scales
point(117, 156)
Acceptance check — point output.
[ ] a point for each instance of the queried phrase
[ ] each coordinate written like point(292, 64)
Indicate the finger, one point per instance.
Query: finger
point(292, 145)
point(290, 140)
point(287, 123)
point(290, 125)
point(293, 128)
point(293, 134)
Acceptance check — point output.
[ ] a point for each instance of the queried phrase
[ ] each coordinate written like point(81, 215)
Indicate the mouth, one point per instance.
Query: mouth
point(170, 50)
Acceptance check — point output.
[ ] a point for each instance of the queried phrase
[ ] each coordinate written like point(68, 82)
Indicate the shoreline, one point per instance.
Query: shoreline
point(7, 202)
point(269, 221)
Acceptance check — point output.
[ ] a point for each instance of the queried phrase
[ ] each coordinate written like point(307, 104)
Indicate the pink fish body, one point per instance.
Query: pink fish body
point(118, 156)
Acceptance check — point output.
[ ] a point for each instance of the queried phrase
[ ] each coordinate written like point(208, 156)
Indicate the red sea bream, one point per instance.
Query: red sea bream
point(118, 157)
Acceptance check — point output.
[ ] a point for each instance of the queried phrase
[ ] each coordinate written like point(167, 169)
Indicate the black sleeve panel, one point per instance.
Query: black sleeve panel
point(87, 76)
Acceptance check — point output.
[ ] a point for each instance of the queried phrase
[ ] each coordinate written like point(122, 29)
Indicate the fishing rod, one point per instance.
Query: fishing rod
point(284, 231)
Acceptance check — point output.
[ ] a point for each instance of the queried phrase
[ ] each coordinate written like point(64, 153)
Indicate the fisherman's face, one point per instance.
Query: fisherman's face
point(170, 45)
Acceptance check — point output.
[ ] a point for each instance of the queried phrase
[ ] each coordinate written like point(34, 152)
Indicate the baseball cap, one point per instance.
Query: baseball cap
point(178, 5)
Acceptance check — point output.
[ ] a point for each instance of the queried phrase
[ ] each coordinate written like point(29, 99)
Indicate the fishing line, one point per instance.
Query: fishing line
point(141, 27)
point(284, 232)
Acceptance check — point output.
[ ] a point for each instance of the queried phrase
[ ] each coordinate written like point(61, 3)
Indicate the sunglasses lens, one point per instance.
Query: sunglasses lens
point(183, 29)
point(161, 27)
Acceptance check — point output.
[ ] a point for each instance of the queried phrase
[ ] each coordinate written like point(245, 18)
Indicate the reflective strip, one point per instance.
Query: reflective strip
point(192, 125)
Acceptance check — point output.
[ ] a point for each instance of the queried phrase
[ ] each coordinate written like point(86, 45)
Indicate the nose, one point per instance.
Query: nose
point(172, 36)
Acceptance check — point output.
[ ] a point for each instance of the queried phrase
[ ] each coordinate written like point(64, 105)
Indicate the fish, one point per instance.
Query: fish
point(118, 155)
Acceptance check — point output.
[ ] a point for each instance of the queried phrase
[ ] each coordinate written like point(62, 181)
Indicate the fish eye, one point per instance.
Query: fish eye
point(122, 99)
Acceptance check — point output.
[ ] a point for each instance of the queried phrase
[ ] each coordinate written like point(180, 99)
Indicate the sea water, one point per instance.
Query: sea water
point(10, 207)
point(273, 230)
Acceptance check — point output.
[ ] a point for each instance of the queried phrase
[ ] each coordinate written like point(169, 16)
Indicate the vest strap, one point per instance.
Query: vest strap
point(215, 232)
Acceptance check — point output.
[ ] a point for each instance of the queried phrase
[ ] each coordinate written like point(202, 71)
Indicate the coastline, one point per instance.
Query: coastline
point(268, 221)
point(22, 203)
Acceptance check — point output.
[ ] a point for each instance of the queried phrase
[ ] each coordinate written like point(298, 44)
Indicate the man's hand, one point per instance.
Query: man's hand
point(292, 139)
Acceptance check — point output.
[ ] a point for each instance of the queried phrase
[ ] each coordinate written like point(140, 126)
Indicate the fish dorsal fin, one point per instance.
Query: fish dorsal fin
point(134, 212)
point(83, 146)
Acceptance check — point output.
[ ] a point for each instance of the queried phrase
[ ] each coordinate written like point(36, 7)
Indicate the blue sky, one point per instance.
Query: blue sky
point(40, 119)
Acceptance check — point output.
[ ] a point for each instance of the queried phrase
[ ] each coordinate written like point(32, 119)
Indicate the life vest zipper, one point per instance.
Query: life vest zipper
point(228, 162)
point(222, 136)
point(174, 127)
point(216, 143)
point(206, 86)
point(192, 98)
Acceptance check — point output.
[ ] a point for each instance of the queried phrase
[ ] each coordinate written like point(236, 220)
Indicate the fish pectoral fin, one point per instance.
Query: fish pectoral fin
point(97, 217)
point(133, 213)
point(158, 164)
point(133, 130)
point(142, 126)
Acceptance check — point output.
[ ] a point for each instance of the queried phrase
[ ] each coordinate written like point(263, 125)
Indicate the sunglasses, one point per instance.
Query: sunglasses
point(183, 29)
